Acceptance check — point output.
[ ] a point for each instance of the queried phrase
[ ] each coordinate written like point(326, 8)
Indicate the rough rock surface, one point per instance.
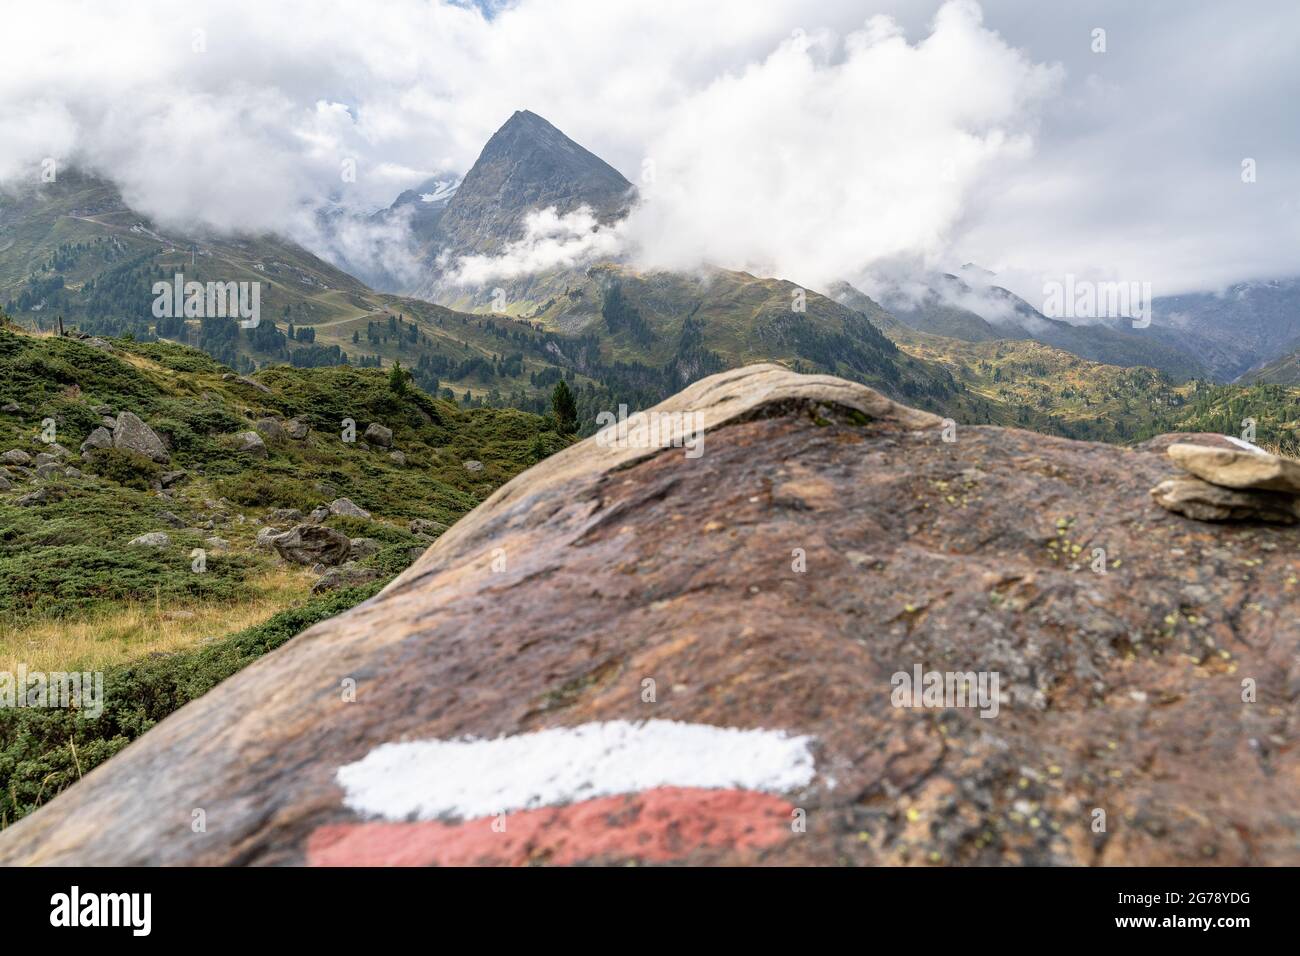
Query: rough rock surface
point(132, 434)
point(347, 508)
point(377, 434)
point(313, 544)
point(100, 438)
point(604, 567)
point(249, 443)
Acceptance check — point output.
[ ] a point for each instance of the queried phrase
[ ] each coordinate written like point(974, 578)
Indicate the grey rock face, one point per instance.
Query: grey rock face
point(154, 539)
point(248, 443)
point(346, 508)
point(313, 544)
point(473, 465)
point(297, 429)
point(100, 438)
point(377, 434)
point(266, 537)
point(345, 576)
point(131, 434)
point(271, 430)
point(16, 456)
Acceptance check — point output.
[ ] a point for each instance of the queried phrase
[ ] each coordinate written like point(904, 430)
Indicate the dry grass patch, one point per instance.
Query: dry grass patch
point(133, 630)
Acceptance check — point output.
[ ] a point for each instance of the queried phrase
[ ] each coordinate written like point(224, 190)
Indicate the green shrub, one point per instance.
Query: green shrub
point(124, 467)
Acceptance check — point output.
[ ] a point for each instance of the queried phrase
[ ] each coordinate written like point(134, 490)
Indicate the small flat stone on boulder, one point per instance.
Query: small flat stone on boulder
point(1238, 468)
point(1202, 501)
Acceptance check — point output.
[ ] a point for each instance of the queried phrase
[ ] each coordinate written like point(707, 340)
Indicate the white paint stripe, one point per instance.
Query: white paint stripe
point(431, 779)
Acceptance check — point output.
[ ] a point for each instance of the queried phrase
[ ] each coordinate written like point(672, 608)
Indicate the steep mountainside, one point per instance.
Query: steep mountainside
point(582, 658)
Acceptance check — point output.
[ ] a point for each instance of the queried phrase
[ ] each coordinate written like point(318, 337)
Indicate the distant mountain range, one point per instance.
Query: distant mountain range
point(961, 346)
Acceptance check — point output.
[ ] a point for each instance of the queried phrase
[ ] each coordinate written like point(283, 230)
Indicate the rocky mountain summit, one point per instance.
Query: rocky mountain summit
point(632, 652)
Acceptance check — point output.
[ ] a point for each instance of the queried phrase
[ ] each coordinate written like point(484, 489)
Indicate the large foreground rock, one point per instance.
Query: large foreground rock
point(825, 541)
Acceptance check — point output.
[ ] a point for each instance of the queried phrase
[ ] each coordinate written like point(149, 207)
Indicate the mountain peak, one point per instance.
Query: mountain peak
point(526, 166)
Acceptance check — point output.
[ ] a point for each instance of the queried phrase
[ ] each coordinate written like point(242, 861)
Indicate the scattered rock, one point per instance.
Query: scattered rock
point(5, 483)
point(363, 548)
point(73, 472)
point(1238, 468)
point(16, 456)
point(102, 409)
point(169, 478)
point(131, 434)
point(170, 519)
point(252, 383)
point(312, 544)
point(318, 515)
point(44, 458)
point(248, 443)
point(37, 497)
point(1202, 501)
point(216, 544)
point(425, 526)
point(13, 408)
point(57, 450)
point(472, 465)
point(345, 507)
point(398, 458)
point(284, 516)
point(266, 537)
point(377, 434)
point(344, 576)
point(99, 438)
point(109, 422)
point(297, 429)
point(272, 430)
point(49, 469)
point(154, 539)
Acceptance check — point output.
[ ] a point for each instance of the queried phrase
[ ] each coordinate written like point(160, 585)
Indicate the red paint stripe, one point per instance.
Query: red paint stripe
point(655, 826)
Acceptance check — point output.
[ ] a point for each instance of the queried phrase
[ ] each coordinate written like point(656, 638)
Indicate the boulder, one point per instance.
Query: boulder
point(313, 544)
point(216, 544)
point(44, 458)
point(377, 434)
point(363, 548)
point(5, 483)
point(73, 472)
point(13, 408)
point(100, 438)
point(131, 434)
point(284, 516)
point(1238, 468)
point(102, 409)
point(1202, 501)
point(297, 429)
point(32, 499)
point(425, 526)
point(345, 576)
point(759, 614)
point(16, 456)
point(49, 470)
point(171, 520)
point(472, 465)
point(271, 430)
point(169, 478)
point(346, 508)
point(318, 515)
point(397, 458)
point(154, 539)
point(266, 537)
point(248, 443)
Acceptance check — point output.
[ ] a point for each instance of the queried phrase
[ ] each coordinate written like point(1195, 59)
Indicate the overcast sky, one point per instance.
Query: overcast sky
point(809, 139)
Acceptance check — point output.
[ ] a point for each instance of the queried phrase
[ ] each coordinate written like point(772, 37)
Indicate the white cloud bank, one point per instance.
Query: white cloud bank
point(811, 139)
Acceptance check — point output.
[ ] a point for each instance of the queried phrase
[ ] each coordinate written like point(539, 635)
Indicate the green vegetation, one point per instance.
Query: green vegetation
point(46, 750)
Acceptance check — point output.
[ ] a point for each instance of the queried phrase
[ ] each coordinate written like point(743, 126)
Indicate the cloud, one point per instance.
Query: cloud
point(829, 155)
point(811, 139)
point(550, 241)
